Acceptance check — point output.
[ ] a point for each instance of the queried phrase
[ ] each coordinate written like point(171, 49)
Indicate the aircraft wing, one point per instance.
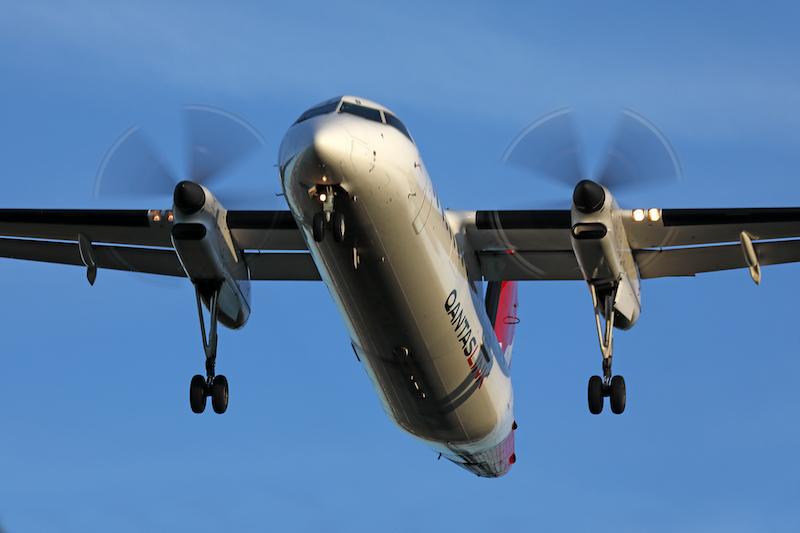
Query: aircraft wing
point(535, 244)
point(139, 240)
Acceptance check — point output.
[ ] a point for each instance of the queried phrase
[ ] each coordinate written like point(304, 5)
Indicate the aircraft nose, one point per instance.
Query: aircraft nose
point(331, 143)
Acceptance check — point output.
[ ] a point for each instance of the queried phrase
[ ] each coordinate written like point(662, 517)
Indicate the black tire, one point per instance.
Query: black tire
point(197, 394)
point(595, 395)
point(219, 394)
point(318, 227)
point(617, 394)
point(337, 226)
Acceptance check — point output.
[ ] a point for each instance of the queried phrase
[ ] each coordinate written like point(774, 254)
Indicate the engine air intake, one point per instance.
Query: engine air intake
point(593, 230)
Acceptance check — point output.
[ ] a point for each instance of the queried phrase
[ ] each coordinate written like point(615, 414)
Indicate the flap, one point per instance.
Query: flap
point(695, 260)
point(528, 265)
point(282, 266)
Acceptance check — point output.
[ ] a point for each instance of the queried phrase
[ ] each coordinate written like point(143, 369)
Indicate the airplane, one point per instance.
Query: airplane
point(429, 295)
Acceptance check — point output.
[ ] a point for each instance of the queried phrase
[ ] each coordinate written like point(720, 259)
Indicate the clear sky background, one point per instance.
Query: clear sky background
point(95, 428)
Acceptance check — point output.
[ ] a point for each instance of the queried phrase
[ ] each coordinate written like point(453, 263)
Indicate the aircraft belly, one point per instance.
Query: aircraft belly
point(416, 322)
point(392, 284)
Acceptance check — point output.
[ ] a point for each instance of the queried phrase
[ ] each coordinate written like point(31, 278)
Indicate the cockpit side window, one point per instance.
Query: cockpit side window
point(394, 122)
point(361, 111)
point(322, 109)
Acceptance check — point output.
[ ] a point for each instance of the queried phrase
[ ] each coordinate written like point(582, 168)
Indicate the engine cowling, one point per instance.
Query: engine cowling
point(602, 250)
point(208, 254)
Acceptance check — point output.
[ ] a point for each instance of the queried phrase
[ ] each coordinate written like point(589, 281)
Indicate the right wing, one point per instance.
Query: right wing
point(139, 240)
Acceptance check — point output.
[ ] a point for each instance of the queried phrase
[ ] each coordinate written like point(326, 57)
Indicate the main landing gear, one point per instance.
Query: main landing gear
point(212, 385)
point(609, 385)
point(328, 217)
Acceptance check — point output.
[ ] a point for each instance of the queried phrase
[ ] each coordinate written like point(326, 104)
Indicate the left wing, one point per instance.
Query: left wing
point(535, 244)
point(139, 240)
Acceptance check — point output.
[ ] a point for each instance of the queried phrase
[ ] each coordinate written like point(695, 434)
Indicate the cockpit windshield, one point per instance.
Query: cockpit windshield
point(352, 108)
point(323, 109)
point(361, 111)
point(394, 122)
point(374, 115)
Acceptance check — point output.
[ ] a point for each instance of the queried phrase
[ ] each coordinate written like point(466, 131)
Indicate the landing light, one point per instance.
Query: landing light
point(323, 197)
point(651, 215)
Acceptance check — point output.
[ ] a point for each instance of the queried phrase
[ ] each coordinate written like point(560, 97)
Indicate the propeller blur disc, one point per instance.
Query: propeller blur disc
point(549, 147)
point(132, 167)
point(638, 154)
point(216, 141)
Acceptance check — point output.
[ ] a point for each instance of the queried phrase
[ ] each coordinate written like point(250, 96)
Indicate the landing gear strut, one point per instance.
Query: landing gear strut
point(212, 385)
point(328, 216)
point(609, 385)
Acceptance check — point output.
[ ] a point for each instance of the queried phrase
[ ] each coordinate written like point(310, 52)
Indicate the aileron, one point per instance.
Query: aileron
point(144, 260)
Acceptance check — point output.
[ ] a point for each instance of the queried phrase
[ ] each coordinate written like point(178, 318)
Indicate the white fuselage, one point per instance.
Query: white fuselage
point(416, 321)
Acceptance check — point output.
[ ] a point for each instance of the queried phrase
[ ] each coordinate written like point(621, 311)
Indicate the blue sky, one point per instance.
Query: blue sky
point(96, 428)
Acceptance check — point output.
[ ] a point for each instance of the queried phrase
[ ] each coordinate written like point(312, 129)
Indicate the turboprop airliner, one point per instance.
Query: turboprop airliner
point(428, 295)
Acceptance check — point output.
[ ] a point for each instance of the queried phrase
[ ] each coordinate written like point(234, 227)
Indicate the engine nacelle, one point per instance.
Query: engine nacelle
point(602, 250)
point(208, 254)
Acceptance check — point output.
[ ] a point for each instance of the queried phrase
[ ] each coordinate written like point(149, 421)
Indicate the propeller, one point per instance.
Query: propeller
point(638, 155)
point(215, 142)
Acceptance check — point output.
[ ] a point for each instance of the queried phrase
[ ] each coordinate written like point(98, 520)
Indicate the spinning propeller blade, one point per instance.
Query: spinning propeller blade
point(216, 141)
point(638, 154)
point(133, 168)
point(549, 147)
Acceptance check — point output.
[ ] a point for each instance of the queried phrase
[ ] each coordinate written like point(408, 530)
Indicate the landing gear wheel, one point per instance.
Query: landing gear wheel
point(617, 394)
point(197, 394)
point(318, 227)
point(219, 394)
point(210, 385)
point(337, 225)
point(595, 395)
